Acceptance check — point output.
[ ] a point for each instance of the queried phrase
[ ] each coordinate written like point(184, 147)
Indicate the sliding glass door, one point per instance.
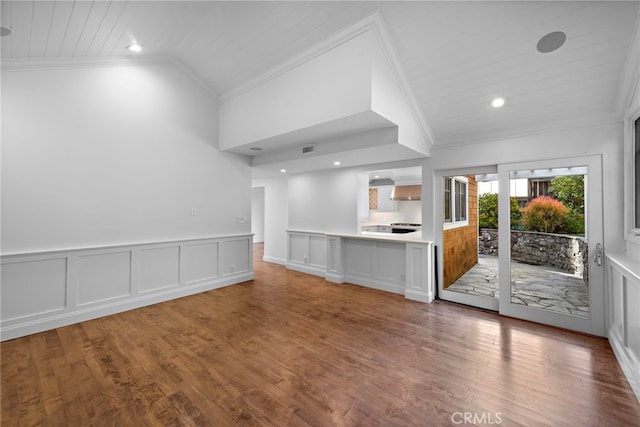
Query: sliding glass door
point(550, 266)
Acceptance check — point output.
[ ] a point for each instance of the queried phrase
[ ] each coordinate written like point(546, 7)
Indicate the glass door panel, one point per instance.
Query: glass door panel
point(467, 276)
point(554, 222)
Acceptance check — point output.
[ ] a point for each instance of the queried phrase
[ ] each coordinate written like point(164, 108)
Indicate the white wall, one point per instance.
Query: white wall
point(107, 155)
point(257, 214)
point(329, 86)
point(276, 217)
point(324, 201)
point(388, 100)
point(101, 168)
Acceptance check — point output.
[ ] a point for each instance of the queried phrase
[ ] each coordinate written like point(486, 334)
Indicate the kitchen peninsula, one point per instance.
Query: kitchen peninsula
point(398, 263)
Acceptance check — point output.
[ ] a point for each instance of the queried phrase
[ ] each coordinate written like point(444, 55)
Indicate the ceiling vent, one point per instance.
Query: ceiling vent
point(308, 149)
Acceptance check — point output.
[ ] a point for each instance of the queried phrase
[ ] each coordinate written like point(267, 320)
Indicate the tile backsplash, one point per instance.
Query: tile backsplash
point(408, 211)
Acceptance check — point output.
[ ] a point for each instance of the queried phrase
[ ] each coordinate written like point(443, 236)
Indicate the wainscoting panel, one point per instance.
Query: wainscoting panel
point(390, 263)
point(307, 252)
point(103, 277)
point(376, 264)
point(25, 279)
point(359, 258)
point(46, 290)
point(200, 262)
point(393, 265)
point(318, 251)
point(632, 311)
point(237, 256)
point(159, 268)
point(298, 244)
point(420, 283)
point(623, 316)
point(335, 262)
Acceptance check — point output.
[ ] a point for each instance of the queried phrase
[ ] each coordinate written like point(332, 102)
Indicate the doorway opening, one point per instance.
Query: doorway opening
point(536, 229)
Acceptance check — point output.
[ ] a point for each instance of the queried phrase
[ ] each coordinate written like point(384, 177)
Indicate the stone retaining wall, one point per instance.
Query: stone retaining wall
point(566, 253)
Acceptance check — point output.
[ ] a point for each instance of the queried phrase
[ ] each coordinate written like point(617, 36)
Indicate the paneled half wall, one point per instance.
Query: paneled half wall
point(46, 290)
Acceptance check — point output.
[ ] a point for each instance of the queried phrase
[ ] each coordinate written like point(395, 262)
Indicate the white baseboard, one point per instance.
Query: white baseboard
point(375, 284)
point(412, 294)
point(306, 268)
point(335, 278)
point(274, 260)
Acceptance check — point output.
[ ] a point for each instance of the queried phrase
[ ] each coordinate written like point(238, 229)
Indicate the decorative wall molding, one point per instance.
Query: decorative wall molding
point(307, 253)
point(623, 317)
point(401, 267)
point(46, 290)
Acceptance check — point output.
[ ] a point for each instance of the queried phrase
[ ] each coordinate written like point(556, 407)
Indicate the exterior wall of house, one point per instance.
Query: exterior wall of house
point(460, 245)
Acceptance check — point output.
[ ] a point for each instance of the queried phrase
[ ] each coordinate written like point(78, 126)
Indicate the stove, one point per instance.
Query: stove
point(404, 227)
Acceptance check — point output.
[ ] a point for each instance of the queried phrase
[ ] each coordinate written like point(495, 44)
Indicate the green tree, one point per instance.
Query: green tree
point(570, 191)
point(488, 210)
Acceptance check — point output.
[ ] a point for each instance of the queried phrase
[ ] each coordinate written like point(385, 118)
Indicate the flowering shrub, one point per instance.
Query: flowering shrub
point(544, 213)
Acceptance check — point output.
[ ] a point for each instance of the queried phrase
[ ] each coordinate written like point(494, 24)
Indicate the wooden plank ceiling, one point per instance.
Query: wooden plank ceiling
point(456, 55)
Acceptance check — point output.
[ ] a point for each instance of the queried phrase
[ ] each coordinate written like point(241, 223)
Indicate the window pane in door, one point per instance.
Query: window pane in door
point(549, 248)
point(447, 199)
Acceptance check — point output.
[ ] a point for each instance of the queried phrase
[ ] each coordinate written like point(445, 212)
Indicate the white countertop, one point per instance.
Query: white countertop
point(415, 237)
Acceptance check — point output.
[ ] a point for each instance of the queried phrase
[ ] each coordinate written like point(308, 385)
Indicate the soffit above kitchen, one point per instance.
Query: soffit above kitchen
point(456, 56)
point(344, 95)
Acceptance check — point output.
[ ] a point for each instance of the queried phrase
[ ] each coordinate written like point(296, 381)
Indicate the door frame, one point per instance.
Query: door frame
point(595, 324)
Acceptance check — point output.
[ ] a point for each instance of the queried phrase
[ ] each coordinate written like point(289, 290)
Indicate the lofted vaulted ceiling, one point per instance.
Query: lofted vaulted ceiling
point(455, 56)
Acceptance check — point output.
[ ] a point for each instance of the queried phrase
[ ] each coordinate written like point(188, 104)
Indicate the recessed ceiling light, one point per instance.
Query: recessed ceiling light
point(135, 47)
point(283, 170)
point(550, 42)
point(4, 31)
point(336, 163)
point(497, 102)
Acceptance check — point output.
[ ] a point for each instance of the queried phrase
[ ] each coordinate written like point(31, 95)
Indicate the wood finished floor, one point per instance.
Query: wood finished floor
point(291, 349)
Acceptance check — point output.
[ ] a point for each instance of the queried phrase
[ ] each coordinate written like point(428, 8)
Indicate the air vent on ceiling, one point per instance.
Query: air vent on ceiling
point(308, 149)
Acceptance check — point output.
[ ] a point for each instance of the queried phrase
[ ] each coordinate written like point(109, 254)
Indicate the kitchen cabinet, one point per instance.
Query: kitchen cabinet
point(385, 203)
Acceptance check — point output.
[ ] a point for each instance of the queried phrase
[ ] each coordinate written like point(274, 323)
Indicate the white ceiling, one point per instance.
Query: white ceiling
point(455, 55)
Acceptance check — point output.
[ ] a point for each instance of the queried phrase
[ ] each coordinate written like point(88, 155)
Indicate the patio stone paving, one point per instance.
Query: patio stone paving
point(532, 285)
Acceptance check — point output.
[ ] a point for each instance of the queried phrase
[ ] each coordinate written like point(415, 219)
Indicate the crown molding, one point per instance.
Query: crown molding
point(372, 22)
point(11, 65)
point(32, 64)
point(630, 73)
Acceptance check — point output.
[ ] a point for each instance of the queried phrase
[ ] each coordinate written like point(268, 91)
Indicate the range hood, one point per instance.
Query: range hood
point(378, 182)
point(406, 192)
